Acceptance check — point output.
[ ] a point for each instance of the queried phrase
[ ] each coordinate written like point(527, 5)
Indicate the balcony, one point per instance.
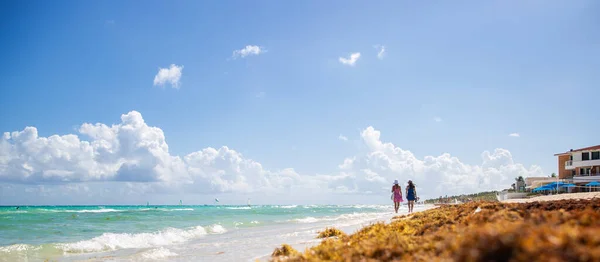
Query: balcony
point(586, 178)
point(570, 164)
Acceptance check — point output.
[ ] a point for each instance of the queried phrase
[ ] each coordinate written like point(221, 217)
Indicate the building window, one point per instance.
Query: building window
point(573, 173)
point(585, 156)
point(596, 155)
point(584, 171)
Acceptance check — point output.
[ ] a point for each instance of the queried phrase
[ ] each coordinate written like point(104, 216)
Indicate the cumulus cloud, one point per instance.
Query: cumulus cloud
point(343, 138)
point(351, 60)
point(436, 175)
point(247, 51)
point(514, 135)
point(136, 157)
point(380, 51)
point(171, 75)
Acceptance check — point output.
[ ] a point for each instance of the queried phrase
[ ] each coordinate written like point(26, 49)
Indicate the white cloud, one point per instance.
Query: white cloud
point(437, 119)
point(435, 175)
point(171, 75)
point(380, 51)
point(130, 151)
point(514, 135)
point(351, 60)
point(343, 138)
point(248, 51)
point(135, 157)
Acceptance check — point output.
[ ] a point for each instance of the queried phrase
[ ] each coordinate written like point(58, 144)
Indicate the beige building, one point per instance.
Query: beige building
point(534, 182)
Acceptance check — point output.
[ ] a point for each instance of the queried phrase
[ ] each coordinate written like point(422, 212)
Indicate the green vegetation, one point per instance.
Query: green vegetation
point(482, 196)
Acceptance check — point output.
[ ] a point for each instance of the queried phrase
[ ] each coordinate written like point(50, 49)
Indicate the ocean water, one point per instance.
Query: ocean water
point(171, 233)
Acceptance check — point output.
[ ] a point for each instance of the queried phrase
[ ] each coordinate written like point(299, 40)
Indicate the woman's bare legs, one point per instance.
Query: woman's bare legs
point(411, 204)
point(396, 206)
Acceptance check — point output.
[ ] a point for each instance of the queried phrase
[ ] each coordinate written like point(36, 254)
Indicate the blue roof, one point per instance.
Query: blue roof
point(543, 188)
point(595, 183)
point(554, 184)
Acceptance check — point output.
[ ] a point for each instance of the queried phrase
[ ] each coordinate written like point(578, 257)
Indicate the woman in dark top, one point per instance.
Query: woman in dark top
point(411, 195)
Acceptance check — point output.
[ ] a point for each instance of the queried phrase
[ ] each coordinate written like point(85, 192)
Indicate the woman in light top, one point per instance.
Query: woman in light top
point(397, 195)
point(411, 195)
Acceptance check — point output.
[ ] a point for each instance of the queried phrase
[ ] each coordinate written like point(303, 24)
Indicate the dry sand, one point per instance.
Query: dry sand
point(588, 195)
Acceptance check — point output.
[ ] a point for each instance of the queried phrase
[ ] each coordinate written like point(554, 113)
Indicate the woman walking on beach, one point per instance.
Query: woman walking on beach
point(411, 195)
point(397, 190)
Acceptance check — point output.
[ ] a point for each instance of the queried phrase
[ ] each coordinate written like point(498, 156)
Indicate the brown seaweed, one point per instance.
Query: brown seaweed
point(331, 232)
point(565, 230)
point(284, 250)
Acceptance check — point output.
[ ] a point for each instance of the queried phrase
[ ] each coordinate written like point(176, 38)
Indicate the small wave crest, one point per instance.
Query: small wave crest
point(217, 229)
point(351, 216)
point(236, 208)
point(114, 241)
point(16, 248)
point(182, 209)
point(104, 210)
point(306, 220)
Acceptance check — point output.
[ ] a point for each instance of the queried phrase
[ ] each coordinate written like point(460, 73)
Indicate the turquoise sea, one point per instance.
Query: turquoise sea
point(169, 233)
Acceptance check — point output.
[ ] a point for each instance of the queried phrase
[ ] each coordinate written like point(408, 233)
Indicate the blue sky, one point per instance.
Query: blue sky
point(484, 69)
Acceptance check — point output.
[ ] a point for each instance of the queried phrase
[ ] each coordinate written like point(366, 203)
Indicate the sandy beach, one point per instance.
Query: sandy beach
point(587, 195)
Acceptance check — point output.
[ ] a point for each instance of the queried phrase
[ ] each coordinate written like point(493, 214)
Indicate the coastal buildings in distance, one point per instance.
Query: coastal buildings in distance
point(576, 166)
point(580, 166)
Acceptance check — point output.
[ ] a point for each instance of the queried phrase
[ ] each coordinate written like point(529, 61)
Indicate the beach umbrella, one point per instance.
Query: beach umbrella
point(542, 188)
point(567, 185)
point(593, 184)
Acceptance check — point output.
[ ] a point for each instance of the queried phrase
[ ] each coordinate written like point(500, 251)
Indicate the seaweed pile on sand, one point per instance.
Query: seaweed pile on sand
point(566, 230)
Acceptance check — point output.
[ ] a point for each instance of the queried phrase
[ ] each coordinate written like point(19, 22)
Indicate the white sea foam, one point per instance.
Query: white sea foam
point(182, 209)
point(158, 253)
point(17, 248)
point(217, 229)
point(290, 206)
point(82, 211)
point(306, 220)
point(95, 210)
point(114, 241)
point(13, 212)
point(352, 216)
point(370, 206)
point(106, 210)
point(238, 208)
